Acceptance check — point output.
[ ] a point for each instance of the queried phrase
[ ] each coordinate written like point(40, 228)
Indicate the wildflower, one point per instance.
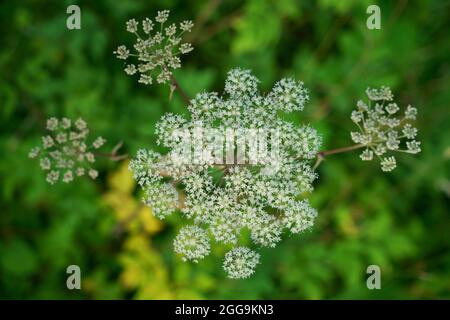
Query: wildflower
point(384, 93)
point(80, 124)
point(93, 173)
point(122, 53)
point(186, 48)
point(380, 131)
point(299, 217)
point(192, 243)
point(132, 25)
point(367, 155)
point(68, 176)
point(409, 131)
point(274, 173)
point(162, 198)
point(98, 142)
point(64, 152)
point(266, 232)
point(65, 123)
point(47, 142)
point(162, 16)
point(80, 171)
point(34, 152)
point(45, 164)
point(413, 146)
point(130, 69)
point(240, 263)
point(410, 113)
point(52, 177)
point(52, 124)
point(157, 53)
point(388, 164)
point(147, 25)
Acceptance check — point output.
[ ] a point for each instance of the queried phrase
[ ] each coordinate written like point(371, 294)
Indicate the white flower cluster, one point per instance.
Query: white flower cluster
point(64, 153)
point(157, 49)
point(225, 199)
point(192, 243)
point(240, 263)
point(381, 129)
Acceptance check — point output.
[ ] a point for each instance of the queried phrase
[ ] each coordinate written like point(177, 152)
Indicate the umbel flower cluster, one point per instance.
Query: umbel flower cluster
point(382, 129)
point(65, 153)
point(157, 49)
point(227, 199)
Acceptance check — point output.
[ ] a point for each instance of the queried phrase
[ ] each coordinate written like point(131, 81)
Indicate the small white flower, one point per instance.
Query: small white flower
point(240, 263)
point(93, 173)
point(122, 52)
point(162, 16)
point(192, 243)
point(409, 131)
point(68, 177)
point(384, 93)
point(356, 116)
point(162, 198)
point(61, 137)
point(48, 142)
point(388, 164)
point(366, 155)
point(147, 25)
point(392, 108)
point(80, 172)
point(98, 142)
point(186, 48)
point(186, 25)
point(52, 124)
point(158, 54)
point(410, 113)
point(90, 157)
point(267, 231)
point(130, 69)
point(132, 25)
point(413, 146)
point(45, 164)
point(379, 127)
point(171, 30)
point(52, 177)
point(65, 123)
point(34, 152)
point(80, 124)
point(145, 79)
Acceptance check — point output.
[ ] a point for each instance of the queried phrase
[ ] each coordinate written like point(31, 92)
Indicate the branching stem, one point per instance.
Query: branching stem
point(180, 90)
point(322, 154)
point(113, 154)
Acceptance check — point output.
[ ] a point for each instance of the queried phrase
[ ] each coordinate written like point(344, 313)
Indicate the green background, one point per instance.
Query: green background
point(399, 221)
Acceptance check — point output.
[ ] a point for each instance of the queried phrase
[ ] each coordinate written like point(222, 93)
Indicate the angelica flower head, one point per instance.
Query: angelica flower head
point(239, 167)
point(240, 262)
point(65, 152)
point(382, 129)
point(157, 49)
point(192, 243)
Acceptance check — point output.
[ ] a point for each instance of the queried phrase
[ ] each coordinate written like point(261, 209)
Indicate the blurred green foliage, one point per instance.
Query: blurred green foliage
point(399, 221)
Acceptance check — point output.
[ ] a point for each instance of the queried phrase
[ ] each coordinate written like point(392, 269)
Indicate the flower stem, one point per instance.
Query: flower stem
point(113, 155)
point(180, 90)
point(322, 154)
